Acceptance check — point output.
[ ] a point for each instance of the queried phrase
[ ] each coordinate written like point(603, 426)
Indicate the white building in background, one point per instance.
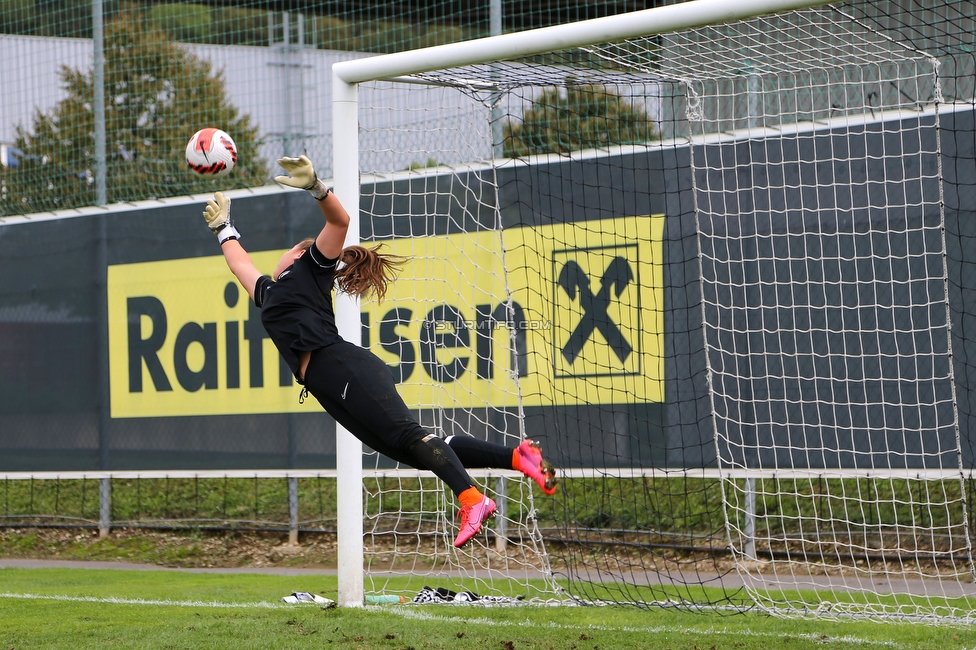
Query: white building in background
point(287, 91)
point(9, 154)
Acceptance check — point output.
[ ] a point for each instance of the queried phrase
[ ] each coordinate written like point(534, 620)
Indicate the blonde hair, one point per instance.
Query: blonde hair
point(366, 272)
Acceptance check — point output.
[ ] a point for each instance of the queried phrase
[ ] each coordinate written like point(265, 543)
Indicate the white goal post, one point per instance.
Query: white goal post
point(347, 75)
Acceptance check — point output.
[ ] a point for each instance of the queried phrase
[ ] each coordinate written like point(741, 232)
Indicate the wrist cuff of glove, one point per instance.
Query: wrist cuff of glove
point(319, 191)
point(227, 232)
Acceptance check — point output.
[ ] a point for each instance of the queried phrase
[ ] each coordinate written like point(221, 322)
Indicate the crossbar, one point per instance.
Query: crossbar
point(609, 29)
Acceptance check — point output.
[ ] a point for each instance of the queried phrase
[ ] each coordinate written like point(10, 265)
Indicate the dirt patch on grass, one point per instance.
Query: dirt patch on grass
point(200, 549)
point(244, 549)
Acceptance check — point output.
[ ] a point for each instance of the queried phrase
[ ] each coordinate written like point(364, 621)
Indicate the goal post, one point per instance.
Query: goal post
point(609, 29)
point(349, 451)
point(699, 252)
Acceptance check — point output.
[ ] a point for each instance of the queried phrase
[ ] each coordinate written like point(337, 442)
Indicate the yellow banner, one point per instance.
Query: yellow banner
point(582, 323)
point(185, 339)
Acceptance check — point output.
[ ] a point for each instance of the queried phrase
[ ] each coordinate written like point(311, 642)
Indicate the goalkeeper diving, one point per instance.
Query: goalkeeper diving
point(351, 383)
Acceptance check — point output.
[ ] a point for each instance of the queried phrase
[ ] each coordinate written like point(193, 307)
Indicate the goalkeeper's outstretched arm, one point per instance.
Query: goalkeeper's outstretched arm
point(240, 265)
point(331, 239)
point(217, 214)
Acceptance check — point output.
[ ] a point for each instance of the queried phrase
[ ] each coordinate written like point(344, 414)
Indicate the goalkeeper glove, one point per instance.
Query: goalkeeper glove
point(217, 214)
point(302, 176)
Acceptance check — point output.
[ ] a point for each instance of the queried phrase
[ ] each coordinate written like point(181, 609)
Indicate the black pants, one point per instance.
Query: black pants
point(356, 388)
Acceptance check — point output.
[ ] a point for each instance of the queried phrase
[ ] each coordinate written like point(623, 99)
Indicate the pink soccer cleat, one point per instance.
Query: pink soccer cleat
point(529, 461)
point(471, 519)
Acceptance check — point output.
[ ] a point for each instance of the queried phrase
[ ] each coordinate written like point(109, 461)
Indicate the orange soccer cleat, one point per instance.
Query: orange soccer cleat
point(471, 519)
point(528, 459)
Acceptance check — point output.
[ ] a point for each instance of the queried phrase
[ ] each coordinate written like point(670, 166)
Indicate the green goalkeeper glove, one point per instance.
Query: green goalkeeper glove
point(302, 176)
point(217, 214)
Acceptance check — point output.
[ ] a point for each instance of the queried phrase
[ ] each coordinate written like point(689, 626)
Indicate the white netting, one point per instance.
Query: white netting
point(826, 312)
point(451, 297)
point(773, 186)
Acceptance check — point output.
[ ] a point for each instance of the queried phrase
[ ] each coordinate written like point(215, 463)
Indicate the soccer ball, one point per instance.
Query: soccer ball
point(211, 152)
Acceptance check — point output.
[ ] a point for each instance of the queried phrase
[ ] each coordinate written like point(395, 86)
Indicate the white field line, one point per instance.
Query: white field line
point(424, 616)
point(847, 639)
point(145, 601)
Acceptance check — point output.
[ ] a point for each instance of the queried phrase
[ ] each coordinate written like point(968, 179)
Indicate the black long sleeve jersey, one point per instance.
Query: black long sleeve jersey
point(297, 310)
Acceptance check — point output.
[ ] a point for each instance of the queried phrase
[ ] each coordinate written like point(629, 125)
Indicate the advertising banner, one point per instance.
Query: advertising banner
point(186, 340)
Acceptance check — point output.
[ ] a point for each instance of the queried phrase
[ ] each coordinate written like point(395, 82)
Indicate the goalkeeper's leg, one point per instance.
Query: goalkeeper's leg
point(356, 388)
point(526, 458)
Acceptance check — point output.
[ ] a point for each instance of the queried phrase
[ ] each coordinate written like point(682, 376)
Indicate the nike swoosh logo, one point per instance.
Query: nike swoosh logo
point(343, 396)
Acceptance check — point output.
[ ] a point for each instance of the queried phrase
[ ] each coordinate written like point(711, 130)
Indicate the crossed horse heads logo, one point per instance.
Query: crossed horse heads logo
point(574, 281)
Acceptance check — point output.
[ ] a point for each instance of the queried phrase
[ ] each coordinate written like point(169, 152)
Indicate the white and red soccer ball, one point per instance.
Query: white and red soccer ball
point(211, 152)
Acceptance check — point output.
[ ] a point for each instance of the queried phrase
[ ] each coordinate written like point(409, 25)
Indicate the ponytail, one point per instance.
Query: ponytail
point(367, 272)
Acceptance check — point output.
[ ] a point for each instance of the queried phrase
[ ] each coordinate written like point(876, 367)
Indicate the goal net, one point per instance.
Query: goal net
point(707, 271)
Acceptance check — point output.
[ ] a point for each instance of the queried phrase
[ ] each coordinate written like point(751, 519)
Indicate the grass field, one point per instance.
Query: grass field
point(87, 608)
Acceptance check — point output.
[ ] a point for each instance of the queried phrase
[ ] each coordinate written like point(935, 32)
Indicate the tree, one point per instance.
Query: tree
point(156, 96)
point(586, 117)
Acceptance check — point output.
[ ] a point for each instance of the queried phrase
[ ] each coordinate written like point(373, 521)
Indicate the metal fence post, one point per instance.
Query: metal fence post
point(501, 521)
point(98, 81)
point(293, 511)
point(750, 522)
point(104, 507)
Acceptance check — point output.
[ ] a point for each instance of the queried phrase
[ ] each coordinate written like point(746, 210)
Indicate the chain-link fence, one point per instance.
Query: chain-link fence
point(260, 71)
